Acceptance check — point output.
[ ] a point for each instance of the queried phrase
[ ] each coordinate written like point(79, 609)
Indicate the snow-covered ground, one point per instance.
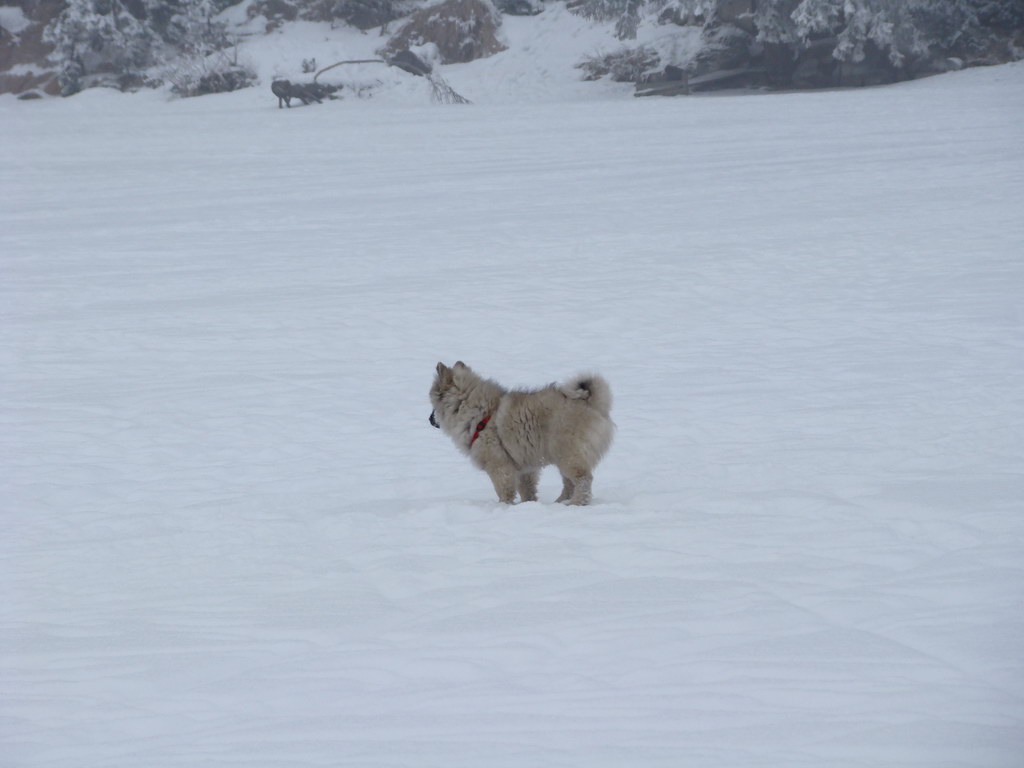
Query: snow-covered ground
point(230, 537)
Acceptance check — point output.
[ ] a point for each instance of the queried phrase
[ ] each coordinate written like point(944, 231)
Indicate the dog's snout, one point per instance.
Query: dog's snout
point(433, 421)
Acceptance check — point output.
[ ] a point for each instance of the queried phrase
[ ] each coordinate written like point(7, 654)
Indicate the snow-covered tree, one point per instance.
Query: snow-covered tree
point(98, 36)
point(625, 13)
point(1003, 14)
point(686, 11)
point(191, 26)
point(120, 39)
point(601, 10)
point(626, 26)
point(819, 15)
point(899, 28)
point(774, 20)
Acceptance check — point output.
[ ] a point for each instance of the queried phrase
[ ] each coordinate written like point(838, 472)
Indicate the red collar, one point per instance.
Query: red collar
point(479, 429)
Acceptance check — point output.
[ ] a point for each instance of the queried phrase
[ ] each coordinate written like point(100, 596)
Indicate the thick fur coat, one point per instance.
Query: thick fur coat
point(511, 435)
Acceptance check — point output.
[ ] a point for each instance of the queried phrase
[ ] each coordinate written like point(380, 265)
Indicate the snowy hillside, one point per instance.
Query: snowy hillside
point(231, 537)
point(539, 65)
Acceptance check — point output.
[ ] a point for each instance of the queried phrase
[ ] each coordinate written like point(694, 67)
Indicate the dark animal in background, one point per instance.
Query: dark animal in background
point(285, 91)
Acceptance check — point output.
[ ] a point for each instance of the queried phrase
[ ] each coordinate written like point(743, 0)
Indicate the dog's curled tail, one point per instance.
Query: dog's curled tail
point(592, 388)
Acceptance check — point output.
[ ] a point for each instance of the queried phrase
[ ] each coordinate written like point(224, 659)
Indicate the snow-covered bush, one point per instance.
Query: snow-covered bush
point(627, 65)
point(199, 75)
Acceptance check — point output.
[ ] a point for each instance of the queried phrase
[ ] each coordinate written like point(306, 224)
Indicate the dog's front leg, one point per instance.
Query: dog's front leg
point(504, 479)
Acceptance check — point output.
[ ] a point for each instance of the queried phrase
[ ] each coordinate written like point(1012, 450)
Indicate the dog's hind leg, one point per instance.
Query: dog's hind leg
point(581, 480)
point(527, 484)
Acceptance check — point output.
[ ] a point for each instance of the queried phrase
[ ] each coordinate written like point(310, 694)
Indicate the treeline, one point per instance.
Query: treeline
point(801, 43)
point(814, 43)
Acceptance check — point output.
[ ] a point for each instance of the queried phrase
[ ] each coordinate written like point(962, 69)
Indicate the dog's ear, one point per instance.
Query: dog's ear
point(444, 375)
point(460, 364)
